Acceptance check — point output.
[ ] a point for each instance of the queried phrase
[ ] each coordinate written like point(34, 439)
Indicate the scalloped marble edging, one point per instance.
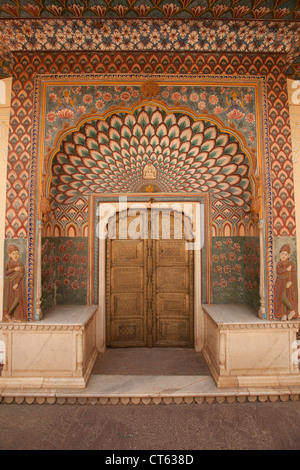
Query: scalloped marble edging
point(146, 390)
point(82, 400)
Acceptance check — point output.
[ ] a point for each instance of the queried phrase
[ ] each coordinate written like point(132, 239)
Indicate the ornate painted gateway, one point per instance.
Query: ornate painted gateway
point(158, 136)
point(151, 113)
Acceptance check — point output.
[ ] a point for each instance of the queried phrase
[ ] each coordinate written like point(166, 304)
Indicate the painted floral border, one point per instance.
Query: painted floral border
point(149, 34)
point(65, 104)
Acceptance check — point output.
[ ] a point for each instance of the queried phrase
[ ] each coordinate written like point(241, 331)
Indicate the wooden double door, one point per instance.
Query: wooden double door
point(149, 287)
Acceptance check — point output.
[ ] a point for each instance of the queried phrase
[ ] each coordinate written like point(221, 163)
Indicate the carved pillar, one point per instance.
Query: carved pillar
point(79, 353)
point(39, 313)
point(4, 131)
point(262, 309)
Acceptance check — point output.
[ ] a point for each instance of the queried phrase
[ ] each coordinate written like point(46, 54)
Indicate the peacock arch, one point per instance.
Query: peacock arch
point(188, 154)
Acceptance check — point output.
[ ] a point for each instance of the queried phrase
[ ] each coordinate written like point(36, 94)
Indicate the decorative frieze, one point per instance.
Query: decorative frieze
point(39, 327)
point(150, 34)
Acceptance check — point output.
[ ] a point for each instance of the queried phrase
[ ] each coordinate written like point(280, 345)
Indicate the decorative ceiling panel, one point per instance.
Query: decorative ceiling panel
point(254, 9)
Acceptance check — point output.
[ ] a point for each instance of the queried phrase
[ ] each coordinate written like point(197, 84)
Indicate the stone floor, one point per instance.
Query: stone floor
point(156, 428)
point(151, 361)
point(199, 416)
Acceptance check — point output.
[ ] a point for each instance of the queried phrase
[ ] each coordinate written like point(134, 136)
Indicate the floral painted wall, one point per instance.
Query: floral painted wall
point(235, 270)
point(72, 270)
point(64, 271)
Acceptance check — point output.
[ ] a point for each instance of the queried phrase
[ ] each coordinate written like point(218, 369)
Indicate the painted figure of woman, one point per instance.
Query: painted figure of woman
point(285, 291)
point(14, 307)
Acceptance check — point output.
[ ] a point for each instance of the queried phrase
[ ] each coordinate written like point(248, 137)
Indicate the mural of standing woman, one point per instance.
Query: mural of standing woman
point(14, 306)
point(285, 291)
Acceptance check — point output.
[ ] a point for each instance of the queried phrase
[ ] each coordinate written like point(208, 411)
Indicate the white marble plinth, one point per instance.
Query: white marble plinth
point(52, 359)
point(244, 350)
point(57, 351)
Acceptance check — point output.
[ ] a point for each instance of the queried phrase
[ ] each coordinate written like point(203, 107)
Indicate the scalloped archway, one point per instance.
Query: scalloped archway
point(189, 154)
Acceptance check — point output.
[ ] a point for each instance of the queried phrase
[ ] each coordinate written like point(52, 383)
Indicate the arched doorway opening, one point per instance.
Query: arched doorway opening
point(152, 278)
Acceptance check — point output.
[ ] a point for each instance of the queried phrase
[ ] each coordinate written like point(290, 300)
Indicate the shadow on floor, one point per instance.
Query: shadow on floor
point(150, 361)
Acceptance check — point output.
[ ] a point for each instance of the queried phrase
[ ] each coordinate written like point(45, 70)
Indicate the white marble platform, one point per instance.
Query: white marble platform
point(234, 320)
point(56, 351)
point(242, 349)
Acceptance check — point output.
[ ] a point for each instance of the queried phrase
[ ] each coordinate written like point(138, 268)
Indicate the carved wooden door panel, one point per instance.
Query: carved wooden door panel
point(126, 293)
point(173, 271)
point(149, 286)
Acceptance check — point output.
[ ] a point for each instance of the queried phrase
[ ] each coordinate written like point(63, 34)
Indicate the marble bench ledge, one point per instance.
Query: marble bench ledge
point(67, 315)
point(237, 315)
point(58, 317)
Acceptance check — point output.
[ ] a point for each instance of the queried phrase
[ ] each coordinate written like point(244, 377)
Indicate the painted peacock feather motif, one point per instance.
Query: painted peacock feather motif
point(109, 155)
